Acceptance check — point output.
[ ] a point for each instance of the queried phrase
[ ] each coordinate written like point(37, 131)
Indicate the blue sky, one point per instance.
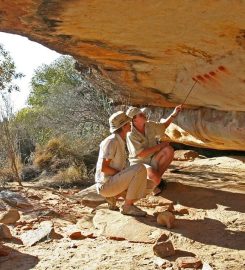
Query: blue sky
point(27, 55)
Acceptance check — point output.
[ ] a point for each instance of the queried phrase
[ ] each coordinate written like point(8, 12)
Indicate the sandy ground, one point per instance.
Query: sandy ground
point(213, 190)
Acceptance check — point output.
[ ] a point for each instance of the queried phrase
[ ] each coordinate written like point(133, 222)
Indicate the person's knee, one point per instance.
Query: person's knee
point(171, 151)
point(168, 152)
point(141, 169)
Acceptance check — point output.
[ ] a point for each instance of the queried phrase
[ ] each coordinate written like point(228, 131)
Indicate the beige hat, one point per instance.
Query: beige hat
point(117, 120)
point(132, 111)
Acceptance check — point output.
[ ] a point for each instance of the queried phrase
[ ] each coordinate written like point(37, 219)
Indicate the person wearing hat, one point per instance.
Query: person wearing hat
point(144, 146)
point(112, 176)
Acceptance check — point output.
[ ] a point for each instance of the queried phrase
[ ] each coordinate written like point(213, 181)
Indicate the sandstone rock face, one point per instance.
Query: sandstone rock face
point(209, 128)
point(114, 225)
point(154, 51)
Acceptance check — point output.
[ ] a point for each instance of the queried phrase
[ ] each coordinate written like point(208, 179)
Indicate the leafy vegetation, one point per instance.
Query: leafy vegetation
point(67, 117)
point(59, 133)
point(49, 78)
point(8, 72)
point(8, 140)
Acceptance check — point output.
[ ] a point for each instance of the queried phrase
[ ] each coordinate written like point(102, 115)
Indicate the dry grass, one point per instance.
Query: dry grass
point(54, 150)
point(43, 160)
point(58, 147)
point(63, 160)
point(67, 178)
point(6, 175)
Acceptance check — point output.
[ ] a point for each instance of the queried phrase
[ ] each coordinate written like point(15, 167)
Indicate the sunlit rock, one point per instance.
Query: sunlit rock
point(153, 52)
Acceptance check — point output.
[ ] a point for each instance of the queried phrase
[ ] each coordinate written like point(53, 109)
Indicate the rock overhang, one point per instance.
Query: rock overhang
point(154, 51)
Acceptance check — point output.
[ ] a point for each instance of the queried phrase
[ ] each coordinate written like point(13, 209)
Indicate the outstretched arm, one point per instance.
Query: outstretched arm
point(170, 119)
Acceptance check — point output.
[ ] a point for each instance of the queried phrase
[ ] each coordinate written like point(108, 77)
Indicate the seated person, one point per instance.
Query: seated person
point(144, 146)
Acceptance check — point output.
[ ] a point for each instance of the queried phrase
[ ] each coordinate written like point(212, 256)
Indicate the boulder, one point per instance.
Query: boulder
point(3, 251)
point(163, 247)
point(89, 197)
point(189, 262)
point(114, 225)
point(5, 232)
point(44, 231)
point(166, 219)
point(9, 217)
point(14, 199)
point(184, 155)
point(29, 172)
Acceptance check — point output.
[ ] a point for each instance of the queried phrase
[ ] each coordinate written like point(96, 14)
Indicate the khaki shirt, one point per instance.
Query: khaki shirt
point(137, 142)
point(112, 147)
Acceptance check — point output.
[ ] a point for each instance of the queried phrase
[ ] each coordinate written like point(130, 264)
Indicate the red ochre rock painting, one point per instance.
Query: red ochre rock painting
point(211, 76)
point(223, 69)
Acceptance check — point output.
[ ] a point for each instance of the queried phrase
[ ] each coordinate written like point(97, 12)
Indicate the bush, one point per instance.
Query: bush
point(57, 153)
point(43, 160)
point(65, 161)
point(6, 175)
point(67, 178)
point(56, 146)
point(29, 173)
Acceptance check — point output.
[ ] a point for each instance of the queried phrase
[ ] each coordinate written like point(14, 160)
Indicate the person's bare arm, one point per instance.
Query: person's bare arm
point(107, 169)
point(152, 150)
point(170, 119)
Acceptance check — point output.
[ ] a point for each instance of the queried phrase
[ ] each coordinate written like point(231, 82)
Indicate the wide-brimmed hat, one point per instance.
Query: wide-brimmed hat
point(118, 120)
point(132, 111)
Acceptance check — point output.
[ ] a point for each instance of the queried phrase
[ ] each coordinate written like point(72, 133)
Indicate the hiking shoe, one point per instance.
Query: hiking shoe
point(132, 210)
point(160, 187)
point(112, 203)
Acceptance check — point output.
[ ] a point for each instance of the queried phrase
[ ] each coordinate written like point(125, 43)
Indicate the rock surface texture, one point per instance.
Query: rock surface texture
point(154, 51)
point(211, 232)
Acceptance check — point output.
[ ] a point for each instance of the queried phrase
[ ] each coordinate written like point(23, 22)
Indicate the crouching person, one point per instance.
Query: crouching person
point(112, 177)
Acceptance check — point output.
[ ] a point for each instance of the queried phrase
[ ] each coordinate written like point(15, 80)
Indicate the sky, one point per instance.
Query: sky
point(27, 55)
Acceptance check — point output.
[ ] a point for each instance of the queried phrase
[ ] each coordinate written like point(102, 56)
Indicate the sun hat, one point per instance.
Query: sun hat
point(117, 120)
point(132, 111)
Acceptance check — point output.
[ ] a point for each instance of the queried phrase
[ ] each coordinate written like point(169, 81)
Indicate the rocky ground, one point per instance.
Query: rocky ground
point(73, 229)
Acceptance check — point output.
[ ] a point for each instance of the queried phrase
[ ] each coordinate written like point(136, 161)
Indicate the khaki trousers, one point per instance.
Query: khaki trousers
point(132, 179)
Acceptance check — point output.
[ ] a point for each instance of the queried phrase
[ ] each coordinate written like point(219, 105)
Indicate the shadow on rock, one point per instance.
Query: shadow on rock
point(180, 253)
point(203, 198)
point(17, 260)
point(210, 232)
point(14, 240)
